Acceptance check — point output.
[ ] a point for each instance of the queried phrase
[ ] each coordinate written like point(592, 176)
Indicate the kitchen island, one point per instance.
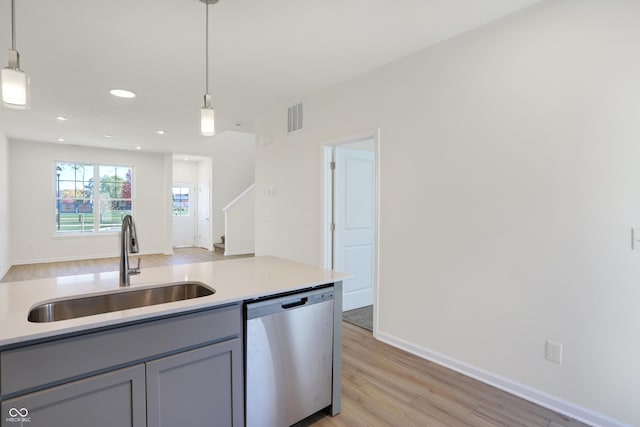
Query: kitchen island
point(132, 367)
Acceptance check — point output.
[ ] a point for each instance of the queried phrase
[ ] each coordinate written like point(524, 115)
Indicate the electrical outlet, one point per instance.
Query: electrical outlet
point(553, 351)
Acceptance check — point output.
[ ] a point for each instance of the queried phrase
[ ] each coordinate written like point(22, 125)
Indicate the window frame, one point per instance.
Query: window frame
point(182, 186)
point(96, 198)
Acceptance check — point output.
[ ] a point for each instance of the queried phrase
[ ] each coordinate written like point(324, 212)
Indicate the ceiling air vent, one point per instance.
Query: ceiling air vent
point(295, 116)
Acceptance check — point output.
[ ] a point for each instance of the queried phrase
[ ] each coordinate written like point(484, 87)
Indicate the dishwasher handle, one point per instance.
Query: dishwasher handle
point(288, 305)
point(269, 306)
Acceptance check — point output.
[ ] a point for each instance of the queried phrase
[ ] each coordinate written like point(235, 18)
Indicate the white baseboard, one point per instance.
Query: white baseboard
point(240, 252)
point(2, 273)
point(78, 258)
point(538, 397)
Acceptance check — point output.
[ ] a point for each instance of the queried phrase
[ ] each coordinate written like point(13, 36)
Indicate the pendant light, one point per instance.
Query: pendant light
point(207, 122)
point(15, 83)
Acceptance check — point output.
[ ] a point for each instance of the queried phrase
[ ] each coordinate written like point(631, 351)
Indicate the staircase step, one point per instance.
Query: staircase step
point(218, 246)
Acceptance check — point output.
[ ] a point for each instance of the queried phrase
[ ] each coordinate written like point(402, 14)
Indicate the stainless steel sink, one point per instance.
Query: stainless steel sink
point(123, 300)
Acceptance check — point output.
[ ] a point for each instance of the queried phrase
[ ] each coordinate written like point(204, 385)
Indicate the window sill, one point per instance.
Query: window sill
point(100, 234)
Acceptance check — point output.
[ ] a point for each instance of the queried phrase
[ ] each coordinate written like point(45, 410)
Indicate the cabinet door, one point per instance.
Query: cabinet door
point(114, 399)
point(202, 387)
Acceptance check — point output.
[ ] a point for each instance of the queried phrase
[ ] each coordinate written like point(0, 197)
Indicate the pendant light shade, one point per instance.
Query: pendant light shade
point(15, 88)
point(207, 115)
point(15, 83)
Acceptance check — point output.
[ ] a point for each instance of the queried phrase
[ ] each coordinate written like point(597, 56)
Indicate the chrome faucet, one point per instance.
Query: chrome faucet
point(128, 244)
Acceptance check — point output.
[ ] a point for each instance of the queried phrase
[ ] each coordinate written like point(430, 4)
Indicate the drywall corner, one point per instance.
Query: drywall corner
point(5, 258)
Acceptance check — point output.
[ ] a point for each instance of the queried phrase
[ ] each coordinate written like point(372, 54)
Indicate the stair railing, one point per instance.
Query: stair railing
point(239, 227)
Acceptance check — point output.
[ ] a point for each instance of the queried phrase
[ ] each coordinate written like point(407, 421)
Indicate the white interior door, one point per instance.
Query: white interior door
point(184, 224)
point(354, 217)
point(204, 222)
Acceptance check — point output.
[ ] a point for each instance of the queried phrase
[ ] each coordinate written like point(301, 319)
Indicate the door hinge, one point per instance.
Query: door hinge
point(332, 165)
point(333, 226)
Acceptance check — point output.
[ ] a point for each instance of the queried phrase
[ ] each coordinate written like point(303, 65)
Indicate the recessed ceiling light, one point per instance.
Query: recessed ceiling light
point(62, 118)
point(186, 158)
point(60, 139)
point(122, 93)
point(138, 148)
point(108, 135)
point(160, 132)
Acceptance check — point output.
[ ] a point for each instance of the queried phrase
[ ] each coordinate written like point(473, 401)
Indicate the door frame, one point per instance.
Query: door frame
point(204, 184)
point(328, 205)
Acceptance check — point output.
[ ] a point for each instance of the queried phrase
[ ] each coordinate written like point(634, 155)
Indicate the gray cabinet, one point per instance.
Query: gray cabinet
point(185, 370)
point(178, 394)
point(114, 399)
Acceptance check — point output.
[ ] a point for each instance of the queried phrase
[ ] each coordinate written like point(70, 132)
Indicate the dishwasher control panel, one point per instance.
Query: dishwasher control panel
point(278, 304)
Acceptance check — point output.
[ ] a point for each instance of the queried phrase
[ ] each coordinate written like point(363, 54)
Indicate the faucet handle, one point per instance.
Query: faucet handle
point(135, 270)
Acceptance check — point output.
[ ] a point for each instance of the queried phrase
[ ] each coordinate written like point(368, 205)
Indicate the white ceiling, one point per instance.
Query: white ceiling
point(263, 53)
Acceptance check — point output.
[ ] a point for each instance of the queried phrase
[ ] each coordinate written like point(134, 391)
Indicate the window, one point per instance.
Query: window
point(180, 201)
point(80, 209)
point(115, 196)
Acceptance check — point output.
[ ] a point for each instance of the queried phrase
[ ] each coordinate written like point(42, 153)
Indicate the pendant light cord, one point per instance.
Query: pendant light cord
point(206, 44)
point(13, 24)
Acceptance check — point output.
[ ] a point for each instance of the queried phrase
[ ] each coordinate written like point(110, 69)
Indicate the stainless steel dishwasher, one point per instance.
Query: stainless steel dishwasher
point(289, 345)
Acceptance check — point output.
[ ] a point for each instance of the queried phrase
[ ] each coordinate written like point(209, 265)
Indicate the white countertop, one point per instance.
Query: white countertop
point(233, 280)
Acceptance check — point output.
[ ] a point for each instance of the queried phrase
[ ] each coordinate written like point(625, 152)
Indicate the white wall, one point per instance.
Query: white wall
point(239, 227)
point(5, 257)
point(233, 170)
point(185, 171)
point(509, 185)
point(32, 207)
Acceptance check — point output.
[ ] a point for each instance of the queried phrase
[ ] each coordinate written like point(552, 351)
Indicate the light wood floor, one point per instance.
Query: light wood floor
point(381, 385)
point(385, 386)
point(68, 268)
